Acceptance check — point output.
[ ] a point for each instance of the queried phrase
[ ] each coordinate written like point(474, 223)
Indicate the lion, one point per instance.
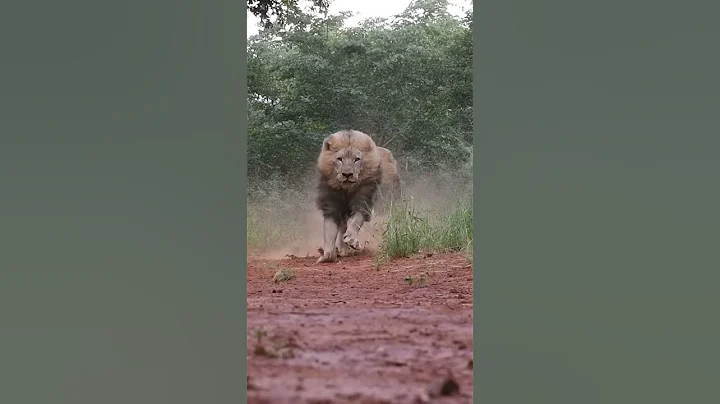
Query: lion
point(351, 168)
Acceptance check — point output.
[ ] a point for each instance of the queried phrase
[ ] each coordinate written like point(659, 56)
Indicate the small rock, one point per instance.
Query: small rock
point(422, 398)
point(446, 387)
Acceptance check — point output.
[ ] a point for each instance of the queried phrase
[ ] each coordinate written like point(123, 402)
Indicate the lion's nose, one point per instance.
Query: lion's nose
point(347, 175)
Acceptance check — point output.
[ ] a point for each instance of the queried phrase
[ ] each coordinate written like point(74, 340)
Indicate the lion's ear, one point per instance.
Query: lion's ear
point(326, 144)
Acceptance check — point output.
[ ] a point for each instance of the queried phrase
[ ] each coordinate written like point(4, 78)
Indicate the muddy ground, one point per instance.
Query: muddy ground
point(348, 333)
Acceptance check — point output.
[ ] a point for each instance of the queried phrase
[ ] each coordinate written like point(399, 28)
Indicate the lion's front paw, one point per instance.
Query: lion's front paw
point(344, 250)
point(351, 239)
point(327, 256)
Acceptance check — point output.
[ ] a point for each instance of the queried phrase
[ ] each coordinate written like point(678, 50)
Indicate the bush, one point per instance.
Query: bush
point(411, 231)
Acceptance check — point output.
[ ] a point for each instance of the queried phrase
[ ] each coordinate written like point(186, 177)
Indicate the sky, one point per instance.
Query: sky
point(366, 9)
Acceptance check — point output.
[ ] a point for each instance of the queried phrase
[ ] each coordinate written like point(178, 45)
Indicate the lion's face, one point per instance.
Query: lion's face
point(348, 164)
point(347, 159)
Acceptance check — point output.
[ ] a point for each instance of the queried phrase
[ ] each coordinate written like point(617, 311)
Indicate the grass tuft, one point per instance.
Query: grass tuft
point(283, 275)
point(410, 231)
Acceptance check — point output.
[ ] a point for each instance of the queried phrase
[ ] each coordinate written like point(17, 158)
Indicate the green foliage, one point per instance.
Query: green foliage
point(411, 231)
point(278, 10)
point(406, 80)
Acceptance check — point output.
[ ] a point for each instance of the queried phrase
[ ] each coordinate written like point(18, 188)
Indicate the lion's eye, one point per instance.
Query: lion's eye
point(357, 158)
point(339, 159)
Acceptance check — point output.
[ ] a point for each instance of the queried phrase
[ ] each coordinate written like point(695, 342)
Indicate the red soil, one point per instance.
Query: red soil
point(347, 333)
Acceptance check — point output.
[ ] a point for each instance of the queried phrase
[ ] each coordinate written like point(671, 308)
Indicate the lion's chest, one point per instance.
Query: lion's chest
point(342, 204)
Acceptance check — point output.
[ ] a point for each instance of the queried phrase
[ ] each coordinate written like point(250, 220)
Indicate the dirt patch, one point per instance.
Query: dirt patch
point(347, 333)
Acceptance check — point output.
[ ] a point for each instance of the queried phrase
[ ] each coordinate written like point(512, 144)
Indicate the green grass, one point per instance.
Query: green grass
point(469, 251)
point(411, 231)
point(283, 275)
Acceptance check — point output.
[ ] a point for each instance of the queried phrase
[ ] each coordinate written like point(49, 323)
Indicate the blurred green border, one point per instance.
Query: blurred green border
point(122, 202)
point(596, 201)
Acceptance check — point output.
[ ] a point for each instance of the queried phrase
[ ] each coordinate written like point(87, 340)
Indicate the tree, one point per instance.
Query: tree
point(279, 9)
point(406, 80)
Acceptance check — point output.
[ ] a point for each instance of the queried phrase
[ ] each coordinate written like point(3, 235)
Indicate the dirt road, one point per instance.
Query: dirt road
point(348, 333)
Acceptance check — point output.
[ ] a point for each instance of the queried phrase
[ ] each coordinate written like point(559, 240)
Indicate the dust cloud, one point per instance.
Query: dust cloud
point(298, 224)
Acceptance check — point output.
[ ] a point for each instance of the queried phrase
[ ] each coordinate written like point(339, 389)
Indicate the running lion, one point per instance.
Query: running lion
point(351, 169)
